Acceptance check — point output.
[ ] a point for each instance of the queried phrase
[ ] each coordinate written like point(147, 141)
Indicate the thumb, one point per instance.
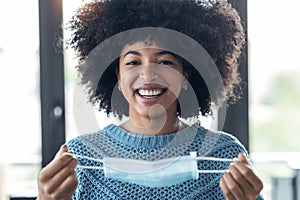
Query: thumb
point(62, 150)
point(242, 157)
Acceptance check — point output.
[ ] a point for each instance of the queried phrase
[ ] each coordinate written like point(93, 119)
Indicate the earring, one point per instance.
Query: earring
point(119, 87)
point(184, 85)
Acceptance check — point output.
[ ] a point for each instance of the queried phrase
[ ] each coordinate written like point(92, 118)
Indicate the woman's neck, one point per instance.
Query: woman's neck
point(157, 126)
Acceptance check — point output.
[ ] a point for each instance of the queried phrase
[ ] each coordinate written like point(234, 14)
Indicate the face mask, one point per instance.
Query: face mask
point(160, 173)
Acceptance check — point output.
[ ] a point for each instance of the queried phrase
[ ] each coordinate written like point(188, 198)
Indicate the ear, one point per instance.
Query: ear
point(186, 74)
point(117, 71)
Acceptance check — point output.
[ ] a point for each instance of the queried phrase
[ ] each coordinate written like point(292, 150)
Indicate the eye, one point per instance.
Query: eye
point(165, 62)
point(133, 63)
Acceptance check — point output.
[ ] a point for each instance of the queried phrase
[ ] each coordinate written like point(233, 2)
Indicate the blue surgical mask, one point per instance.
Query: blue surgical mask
point(160, 173)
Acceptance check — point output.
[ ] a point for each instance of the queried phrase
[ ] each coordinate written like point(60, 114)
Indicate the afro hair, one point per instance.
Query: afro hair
point(214, 24)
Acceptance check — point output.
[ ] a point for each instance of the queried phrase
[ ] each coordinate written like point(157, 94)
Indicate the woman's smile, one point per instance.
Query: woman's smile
point(150, 93)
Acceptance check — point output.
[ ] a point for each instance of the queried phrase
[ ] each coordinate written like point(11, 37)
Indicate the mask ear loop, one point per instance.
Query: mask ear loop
point(192, 154)
point(230, 160)
point(215, 159)
point(87, 158)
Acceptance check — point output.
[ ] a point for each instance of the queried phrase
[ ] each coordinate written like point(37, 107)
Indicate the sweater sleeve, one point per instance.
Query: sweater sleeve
point(229, 147)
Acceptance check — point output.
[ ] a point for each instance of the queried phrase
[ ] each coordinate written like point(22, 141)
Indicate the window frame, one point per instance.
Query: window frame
point(237, 115)
point(51, 79)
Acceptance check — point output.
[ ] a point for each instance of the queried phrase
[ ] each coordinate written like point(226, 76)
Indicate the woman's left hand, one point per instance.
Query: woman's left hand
point(240, 183)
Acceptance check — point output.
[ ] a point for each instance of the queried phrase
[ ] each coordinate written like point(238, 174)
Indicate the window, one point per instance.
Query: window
point(274, 85)
point(20, 102)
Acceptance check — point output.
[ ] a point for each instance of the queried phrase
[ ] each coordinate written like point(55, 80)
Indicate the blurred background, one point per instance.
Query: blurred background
point(273, 84)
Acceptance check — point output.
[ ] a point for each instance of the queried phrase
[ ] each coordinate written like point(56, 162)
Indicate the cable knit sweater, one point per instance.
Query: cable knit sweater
point(114, 141)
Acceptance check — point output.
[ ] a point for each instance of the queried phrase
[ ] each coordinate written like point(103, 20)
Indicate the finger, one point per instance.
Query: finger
point(240, 179)
point(249, 175)
point(233, 186)
point(242, 157)
point(63, 174)
point(60, 152)
point(226, 190)
point(66, 188)
point(72, 187)
point(55, 165)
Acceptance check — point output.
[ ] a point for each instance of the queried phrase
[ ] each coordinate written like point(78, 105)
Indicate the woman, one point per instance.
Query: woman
point(153, 78)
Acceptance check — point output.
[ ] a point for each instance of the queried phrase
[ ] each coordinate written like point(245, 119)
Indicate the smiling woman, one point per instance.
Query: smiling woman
point(154, 65)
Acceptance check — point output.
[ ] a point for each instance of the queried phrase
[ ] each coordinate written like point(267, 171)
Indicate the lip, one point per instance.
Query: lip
point(151, 86)
point(149, 100)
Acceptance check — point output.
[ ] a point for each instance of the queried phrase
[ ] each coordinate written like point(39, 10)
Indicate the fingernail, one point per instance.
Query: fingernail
point(63, 146)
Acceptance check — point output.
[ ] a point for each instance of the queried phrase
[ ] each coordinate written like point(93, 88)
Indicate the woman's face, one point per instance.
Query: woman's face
point(149, 75)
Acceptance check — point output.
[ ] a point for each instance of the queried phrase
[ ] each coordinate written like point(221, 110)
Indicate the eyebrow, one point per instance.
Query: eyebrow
point(132, 52)
point(164, 52)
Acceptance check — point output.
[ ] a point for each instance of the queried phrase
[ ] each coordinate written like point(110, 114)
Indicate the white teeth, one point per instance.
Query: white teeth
point(150, 92)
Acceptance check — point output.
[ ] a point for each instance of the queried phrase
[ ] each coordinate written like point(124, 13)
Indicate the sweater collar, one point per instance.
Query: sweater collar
point(147, 141)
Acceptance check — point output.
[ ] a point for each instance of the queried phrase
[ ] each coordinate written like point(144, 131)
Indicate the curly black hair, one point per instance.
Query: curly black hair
point(214, 24)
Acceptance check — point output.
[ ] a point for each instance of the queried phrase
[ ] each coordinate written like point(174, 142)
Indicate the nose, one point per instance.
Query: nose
point(148, 72)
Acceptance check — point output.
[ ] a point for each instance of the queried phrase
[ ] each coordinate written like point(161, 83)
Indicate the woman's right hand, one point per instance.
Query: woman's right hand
point(58, 179)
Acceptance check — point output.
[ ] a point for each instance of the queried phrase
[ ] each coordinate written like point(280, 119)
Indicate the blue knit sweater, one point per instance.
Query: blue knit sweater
point(114, 141)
